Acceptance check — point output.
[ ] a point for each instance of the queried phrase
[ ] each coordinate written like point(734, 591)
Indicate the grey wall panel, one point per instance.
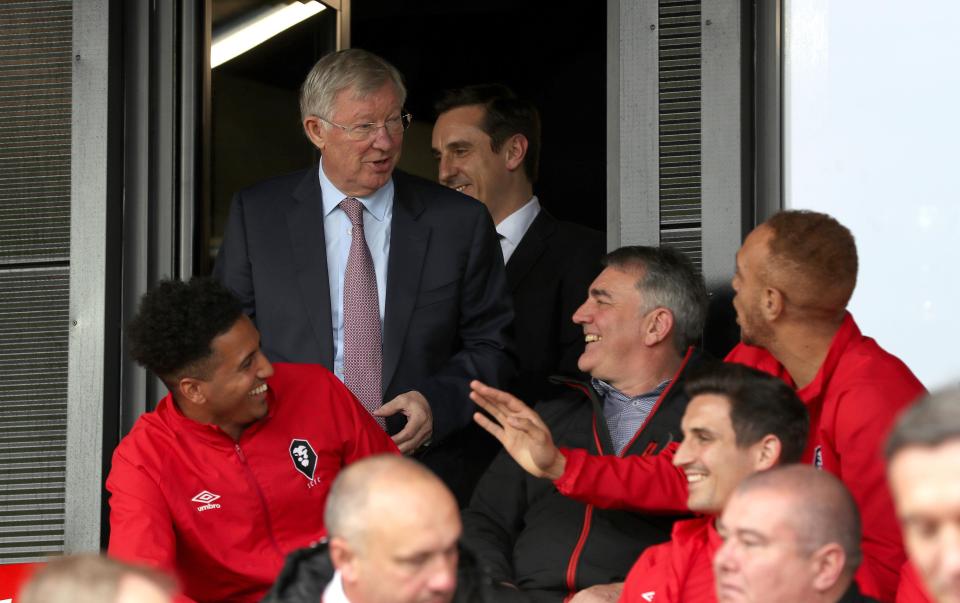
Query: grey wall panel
point(33, 406)
point(35, 101)
point(34, 130)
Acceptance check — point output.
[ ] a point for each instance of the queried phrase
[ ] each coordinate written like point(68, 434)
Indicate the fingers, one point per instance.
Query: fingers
point(414, 433)
point(497, 396)
point(390, 408)
point(490, 426)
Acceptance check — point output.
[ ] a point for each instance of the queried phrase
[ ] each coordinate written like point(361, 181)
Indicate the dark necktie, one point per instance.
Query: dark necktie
point(362, 354)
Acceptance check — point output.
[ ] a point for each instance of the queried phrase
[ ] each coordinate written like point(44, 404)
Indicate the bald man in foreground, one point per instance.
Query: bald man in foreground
point(393, 530)
point(791, 535)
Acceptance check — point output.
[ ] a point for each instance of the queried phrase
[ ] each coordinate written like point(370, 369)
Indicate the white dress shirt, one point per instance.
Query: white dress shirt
point(333, 593)
point(337, 232)
point(514, 226)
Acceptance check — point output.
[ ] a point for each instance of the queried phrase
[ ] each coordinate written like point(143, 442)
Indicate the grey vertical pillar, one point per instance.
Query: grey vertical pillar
point(727, 171)
point(88, 347)
point(633, 181)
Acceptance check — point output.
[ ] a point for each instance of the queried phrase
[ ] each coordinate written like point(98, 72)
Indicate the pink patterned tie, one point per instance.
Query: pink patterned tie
point(362, 355)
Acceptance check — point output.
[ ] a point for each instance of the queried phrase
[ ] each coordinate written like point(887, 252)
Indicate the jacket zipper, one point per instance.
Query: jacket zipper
point(588, 512)
point(263, 499)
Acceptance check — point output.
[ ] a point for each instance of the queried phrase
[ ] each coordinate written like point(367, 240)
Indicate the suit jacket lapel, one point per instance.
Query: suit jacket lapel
point(530, 249)
point(305, 222)
point(408, 247)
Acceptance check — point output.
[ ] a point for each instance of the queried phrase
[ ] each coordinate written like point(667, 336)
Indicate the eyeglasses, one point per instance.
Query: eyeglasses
point(394, 126)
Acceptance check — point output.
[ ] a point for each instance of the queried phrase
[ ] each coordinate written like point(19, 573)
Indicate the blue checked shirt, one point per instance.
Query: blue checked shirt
point(625, 415)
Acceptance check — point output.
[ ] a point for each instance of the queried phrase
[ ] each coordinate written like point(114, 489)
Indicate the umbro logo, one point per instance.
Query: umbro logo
point(206, 498)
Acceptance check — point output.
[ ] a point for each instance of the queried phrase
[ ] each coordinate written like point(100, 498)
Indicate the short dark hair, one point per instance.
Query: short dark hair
point(668, 280)
point(760, 405)
point(175, 324)
point(505, 114)
point(933, 420)
point(814, 257)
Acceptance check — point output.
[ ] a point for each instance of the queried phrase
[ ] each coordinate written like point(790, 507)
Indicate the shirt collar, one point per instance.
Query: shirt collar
point(605, 389)
point(376, 203)
point(514, 226)
point(333, 593)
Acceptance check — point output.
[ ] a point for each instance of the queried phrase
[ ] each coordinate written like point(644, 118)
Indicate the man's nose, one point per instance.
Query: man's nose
point(382, 139)
point(582, 315)
point(265, 370)
point(446, 169)
point(444, 578)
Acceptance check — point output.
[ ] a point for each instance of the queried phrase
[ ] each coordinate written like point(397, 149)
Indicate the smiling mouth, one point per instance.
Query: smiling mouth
point(592, 338)
point(693, 478)
point(258, 390)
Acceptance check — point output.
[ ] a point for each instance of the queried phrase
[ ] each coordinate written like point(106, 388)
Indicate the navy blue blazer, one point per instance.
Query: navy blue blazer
point(448, 313)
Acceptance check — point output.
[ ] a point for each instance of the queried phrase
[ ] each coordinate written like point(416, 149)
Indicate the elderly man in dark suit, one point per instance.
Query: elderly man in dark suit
point(487, 142)
point(392, 282)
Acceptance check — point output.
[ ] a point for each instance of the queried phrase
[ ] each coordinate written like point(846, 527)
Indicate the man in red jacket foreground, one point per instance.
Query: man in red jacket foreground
point(923, 453)
point(231, 471)
point(795, 275)
point(738, 421)
point(790, 535)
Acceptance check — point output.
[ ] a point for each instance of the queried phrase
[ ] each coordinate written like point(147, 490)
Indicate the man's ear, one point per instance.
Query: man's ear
point(658, 326)
point(767, 452)
point(515, 150)
point(344, 559)
point(192, 390)
point(828, 563)
point(315, 131)
point(772, 303)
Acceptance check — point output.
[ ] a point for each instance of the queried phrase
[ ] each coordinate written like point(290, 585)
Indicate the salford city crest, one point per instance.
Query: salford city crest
point(304, 458)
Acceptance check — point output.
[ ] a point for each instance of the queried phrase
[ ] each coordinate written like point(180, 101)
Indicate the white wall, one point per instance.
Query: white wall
point(872, 137)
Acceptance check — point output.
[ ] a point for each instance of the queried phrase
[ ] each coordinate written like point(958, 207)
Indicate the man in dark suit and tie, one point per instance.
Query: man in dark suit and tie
point(488, 144)
point(391, 281)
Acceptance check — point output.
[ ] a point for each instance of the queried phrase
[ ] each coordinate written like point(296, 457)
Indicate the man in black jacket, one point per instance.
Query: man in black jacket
point(393, 538)
point(643, 315)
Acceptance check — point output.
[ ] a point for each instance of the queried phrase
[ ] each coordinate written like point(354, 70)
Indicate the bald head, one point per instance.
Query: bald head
point(394, 529)
point(375, 489)
point(812, 259)
point(820, 507)
point(791, 534)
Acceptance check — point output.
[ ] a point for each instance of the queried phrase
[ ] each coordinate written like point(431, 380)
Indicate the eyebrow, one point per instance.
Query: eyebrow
point(702, 431)
point(600, 293)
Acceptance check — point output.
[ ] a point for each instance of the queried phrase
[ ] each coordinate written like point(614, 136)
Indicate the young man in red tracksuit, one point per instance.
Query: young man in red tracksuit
point(738, 421)
point(795, 275)
point(231, 472)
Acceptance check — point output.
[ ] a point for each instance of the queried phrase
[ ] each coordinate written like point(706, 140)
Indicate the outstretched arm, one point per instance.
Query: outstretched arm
point(520, 429)
point(639, 483)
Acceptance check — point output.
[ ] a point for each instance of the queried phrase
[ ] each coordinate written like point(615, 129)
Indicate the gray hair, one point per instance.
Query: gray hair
point(354, 68)
point(932, 421)
point(668, 280)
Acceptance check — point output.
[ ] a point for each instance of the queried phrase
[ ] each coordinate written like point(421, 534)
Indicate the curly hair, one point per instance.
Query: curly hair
point(175, 324)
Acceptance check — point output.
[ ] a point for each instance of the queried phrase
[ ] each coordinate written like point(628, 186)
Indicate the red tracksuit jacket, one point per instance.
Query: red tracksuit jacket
point(222, 515)
point(678, 571)
point(853, 401)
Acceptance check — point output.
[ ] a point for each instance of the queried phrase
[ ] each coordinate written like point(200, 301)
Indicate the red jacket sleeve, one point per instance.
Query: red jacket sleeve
point(366, 437)
point(651, 574)
point(141, 529)
point(863, 419)
point(648, 484)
